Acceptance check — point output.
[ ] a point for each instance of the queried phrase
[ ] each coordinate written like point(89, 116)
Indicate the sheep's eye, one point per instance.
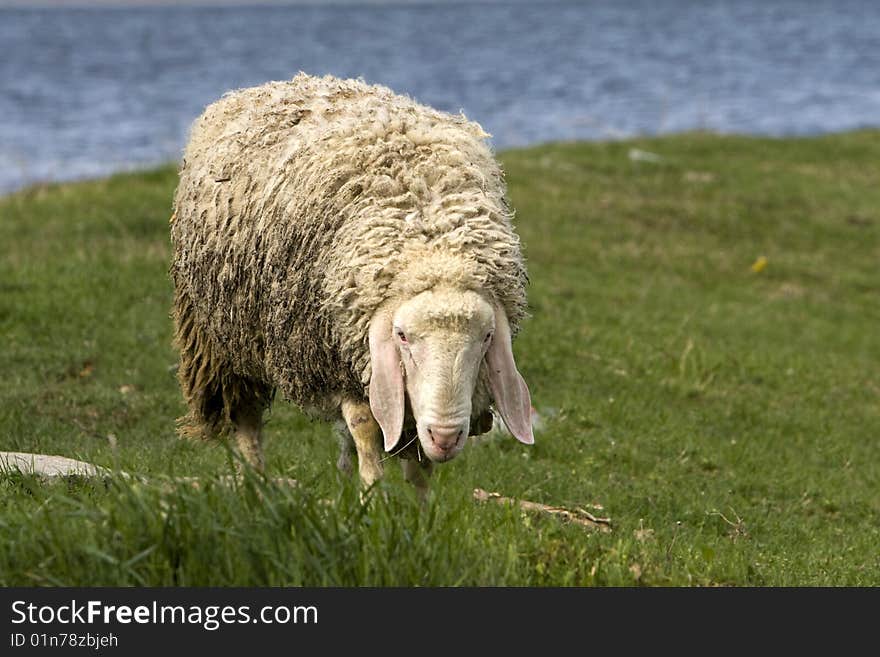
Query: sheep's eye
point(488, 337)
point(402, 336)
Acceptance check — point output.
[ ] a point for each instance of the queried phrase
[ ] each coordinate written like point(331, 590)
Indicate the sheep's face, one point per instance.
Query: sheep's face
point(433, 345)
point(441, 338)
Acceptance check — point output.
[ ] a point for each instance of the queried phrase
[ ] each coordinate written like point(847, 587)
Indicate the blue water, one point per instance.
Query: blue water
point(86, 92)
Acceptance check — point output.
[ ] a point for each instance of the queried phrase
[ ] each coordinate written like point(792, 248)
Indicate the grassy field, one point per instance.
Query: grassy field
point(703, 349)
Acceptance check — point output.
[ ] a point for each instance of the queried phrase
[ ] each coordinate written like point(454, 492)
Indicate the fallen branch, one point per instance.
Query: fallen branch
point(580, 517)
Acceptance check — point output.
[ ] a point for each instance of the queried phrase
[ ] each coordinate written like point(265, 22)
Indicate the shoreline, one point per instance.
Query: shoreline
point(147, 167)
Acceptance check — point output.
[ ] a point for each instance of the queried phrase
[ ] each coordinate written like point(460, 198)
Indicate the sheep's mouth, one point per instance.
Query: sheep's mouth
point(442, 457)
point(411, 448)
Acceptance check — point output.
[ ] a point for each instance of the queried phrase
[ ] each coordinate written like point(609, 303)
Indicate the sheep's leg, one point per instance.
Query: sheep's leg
point(347, 448)
point(216, 397)
point(248, 423)
point(417, 473)
point(367, 440)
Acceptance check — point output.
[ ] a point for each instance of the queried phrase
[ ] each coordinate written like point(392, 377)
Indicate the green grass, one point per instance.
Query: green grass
point(727, 420)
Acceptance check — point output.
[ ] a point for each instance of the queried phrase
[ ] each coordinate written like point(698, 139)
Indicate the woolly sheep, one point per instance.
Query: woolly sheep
point(354, 250)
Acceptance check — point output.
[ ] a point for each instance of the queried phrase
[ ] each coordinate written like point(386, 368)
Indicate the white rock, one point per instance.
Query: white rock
point(47, 466)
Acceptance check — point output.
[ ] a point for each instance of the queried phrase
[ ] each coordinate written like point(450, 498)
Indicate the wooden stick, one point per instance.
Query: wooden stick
point(580, 517)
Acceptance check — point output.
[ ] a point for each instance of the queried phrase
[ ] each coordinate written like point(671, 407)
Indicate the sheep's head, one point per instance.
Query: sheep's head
point(430, 348)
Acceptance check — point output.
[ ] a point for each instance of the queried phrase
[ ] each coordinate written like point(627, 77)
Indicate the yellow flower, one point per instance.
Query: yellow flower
point(759, 265)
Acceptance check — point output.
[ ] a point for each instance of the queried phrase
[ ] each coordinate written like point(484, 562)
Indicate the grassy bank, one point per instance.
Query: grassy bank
point(723, 409)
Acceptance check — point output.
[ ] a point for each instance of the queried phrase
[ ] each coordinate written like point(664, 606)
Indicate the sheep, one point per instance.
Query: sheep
point(355, 250)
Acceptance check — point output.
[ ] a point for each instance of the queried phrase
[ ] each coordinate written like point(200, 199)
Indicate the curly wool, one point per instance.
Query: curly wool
point(303, 207)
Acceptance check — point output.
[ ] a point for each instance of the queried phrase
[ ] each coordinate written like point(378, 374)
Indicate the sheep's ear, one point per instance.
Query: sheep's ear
point(386, 381)
point(509, 390)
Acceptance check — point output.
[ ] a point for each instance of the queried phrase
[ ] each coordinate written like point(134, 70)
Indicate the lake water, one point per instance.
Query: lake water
point(86, 92)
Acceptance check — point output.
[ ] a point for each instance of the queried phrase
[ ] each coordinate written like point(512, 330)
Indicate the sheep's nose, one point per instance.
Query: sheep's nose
point(445, 437)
